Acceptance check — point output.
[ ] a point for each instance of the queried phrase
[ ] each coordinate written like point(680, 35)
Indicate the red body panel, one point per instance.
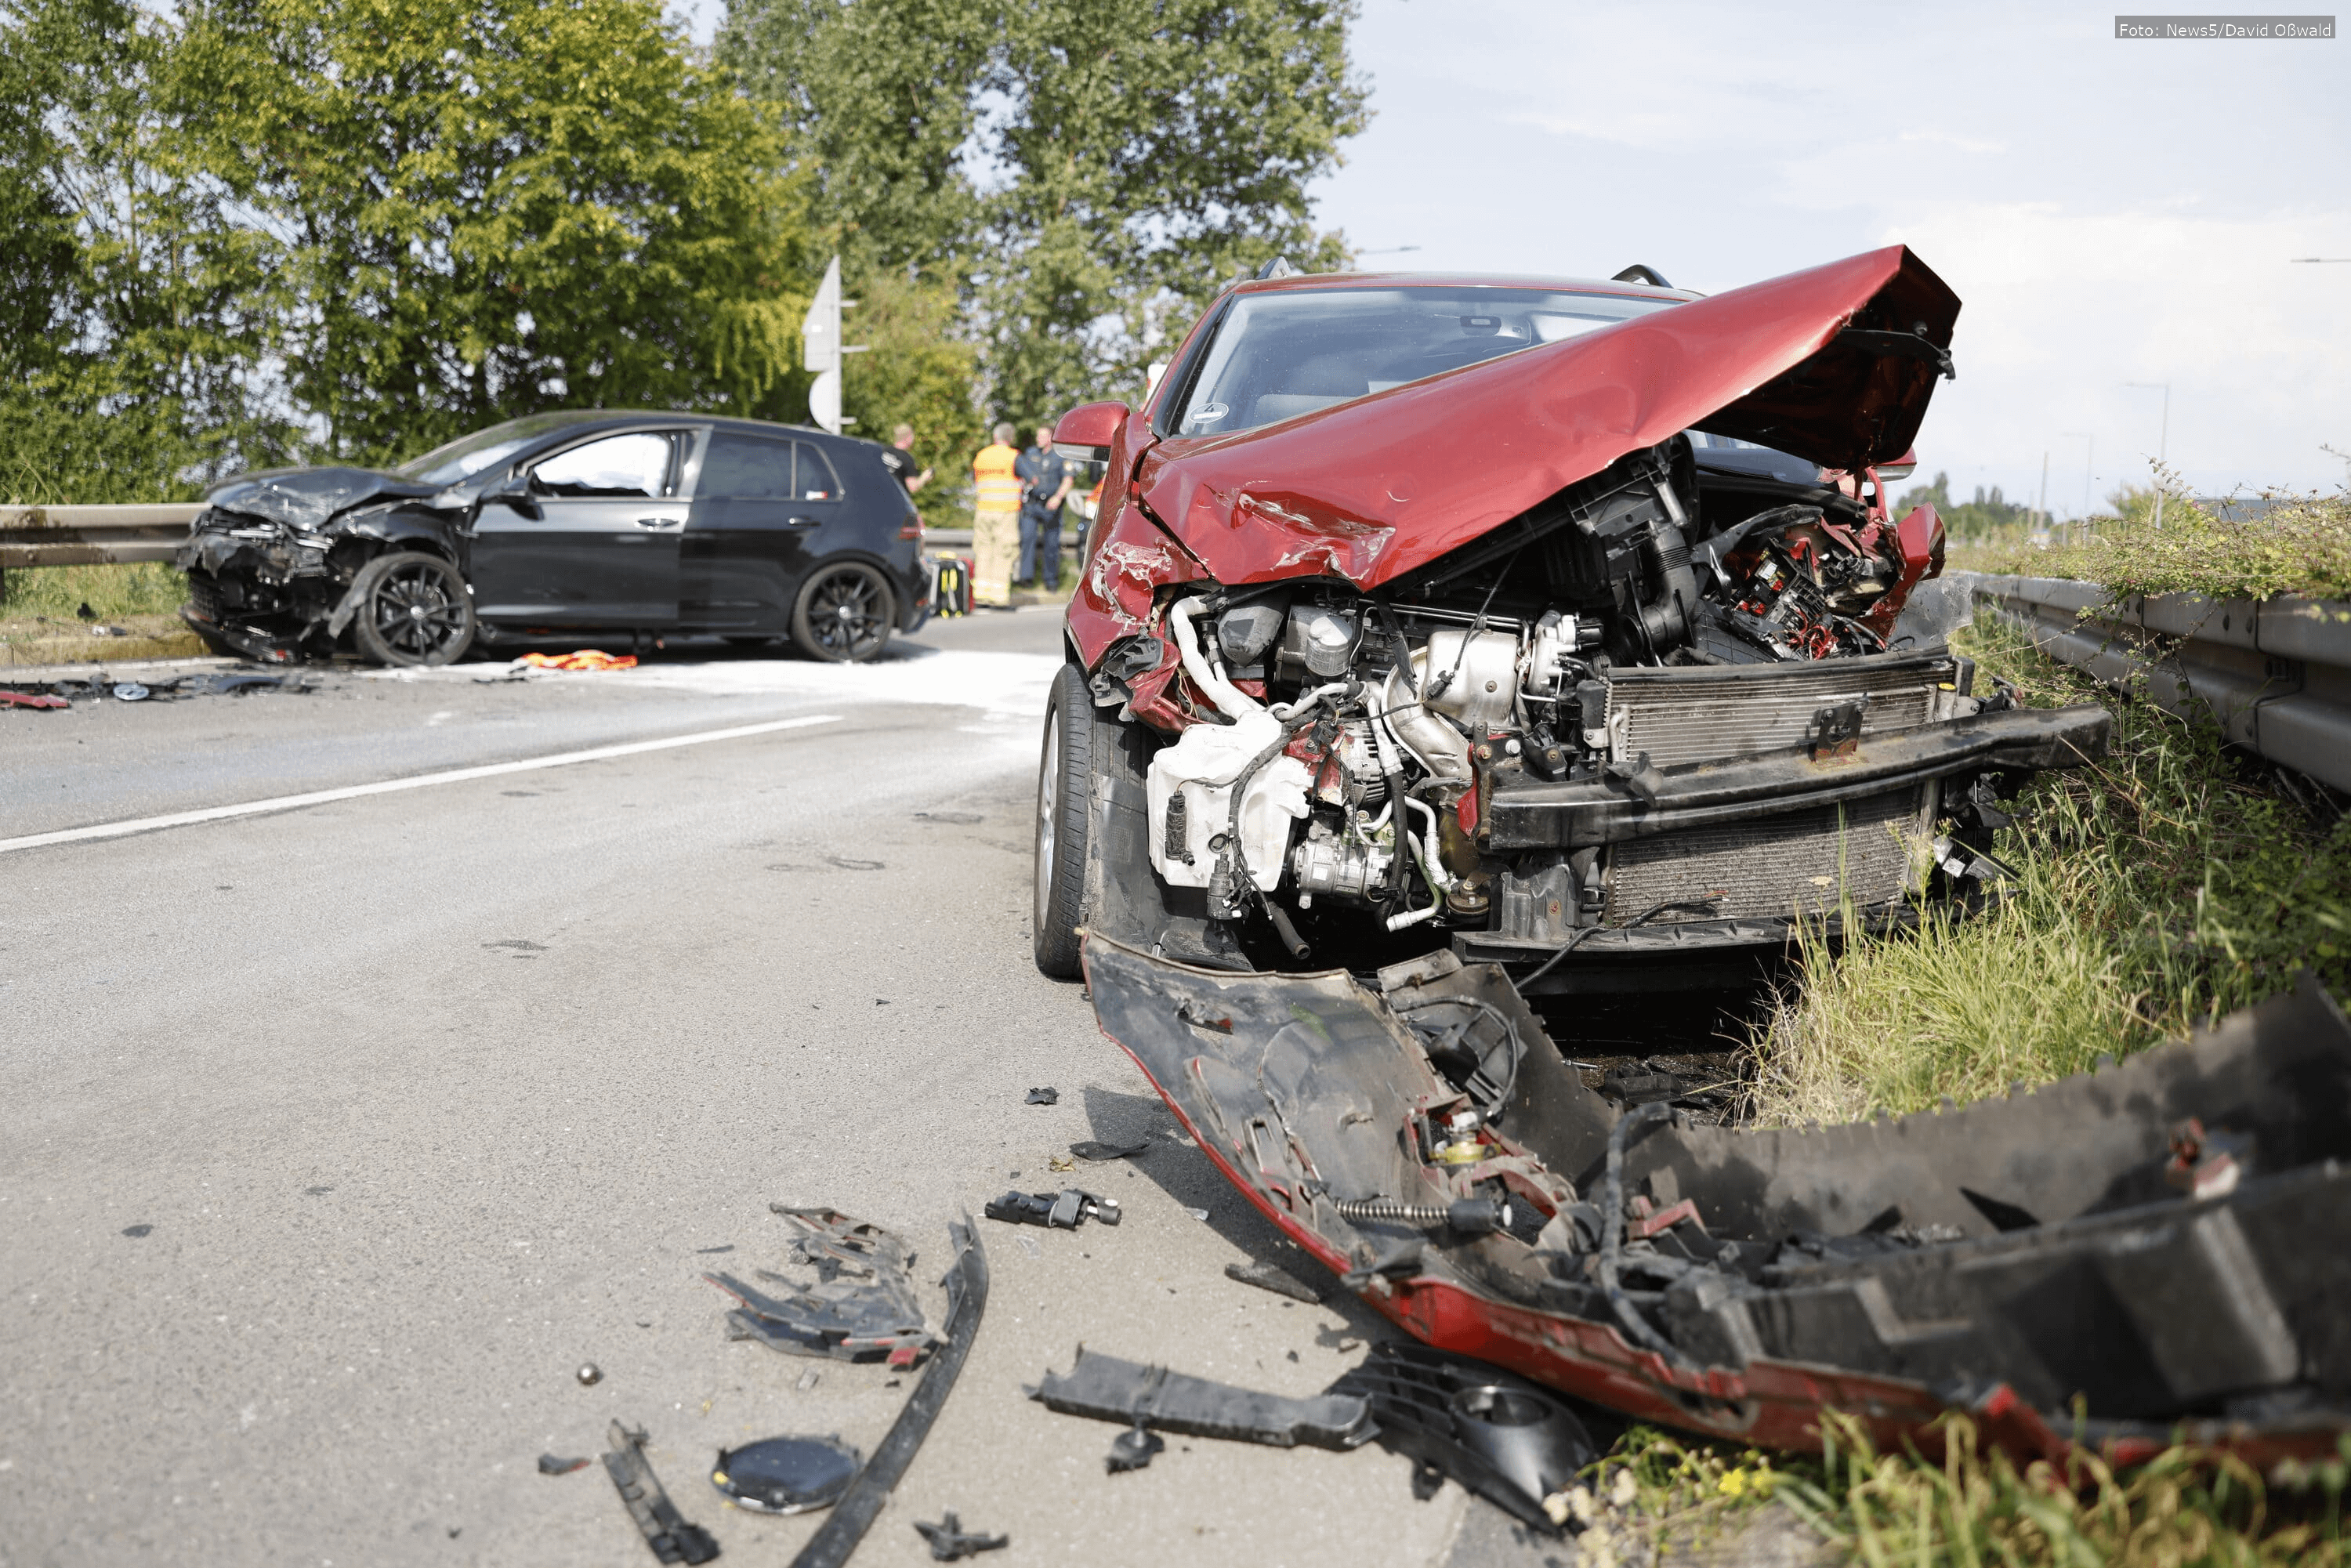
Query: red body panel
point(1369, 490)
point(1772, 1403)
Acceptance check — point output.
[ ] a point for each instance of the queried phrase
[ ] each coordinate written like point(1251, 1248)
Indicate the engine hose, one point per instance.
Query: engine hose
point(1612, 1231)
point(1469, 1216)
point(1245, 883)
point(1665, 619)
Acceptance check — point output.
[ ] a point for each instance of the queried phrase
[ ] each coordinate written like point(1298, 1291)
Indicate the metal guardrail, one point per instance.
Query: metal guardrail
point(2275, 674)
point(93, 536)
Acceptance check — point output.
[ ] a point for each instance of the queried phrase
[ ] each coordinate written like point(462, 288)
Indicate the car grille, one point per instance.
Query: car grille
point(1680, 716)
point(1799, 862)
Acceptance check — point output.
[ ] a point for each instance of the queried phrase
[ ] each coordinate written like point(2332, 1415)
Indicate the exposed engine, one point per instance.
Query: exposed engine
point(1360, 742)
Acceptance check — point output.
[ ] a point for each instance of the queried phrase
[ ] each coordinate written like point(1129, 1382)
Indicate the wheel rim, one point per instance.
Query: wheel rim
point(415, 612)
point(1048, 795)
point(845, 615)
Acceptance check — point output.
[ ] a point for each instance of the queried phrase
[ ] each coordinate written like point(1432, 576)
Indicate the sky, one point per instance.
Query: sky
point(2108, 212)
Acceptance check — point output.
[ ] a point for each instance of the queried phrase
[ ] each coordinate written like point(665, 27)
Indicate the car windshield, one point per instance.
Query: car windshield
point(469, 455)
point(1278, 355)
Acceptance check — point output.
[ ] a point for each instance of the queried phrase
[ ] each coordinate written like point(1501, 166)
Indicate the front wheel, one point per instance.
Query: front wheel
point(1064, 790)
point(414, 610)
point(844, 613)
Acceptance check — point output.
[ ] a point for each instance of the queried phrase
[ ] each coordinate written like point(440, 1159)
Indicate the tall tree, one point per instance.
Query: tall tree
point(489, 208)
point(1151, 152)
point(133, 304)
point(1085, 174)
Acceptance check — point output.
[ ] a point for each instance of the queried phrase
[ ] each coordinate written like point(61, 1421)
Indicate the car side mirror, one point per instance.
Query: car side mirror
point(515, 491)
point(1087, 431)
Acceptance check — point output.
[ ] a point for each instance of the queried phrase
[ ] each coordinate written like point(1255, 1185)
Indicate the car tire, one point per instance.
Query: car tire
point(414, 610)
point(1064, 817)
point(844, 613)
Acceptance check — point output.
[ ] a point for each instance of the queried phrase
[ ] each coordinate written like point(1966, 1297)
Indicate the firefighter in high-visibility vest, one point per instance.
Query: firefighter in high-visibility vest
point(995, 519)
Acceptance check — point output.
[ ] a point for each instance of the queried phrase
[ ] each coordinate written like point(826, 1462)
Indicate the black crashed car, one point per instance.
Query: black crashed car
point(630, 525)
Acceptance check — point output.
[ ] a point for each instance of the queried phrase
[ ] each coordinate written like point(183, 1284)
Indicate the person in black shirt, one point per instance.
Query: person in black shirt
point(1044, 486)
point(899, 458)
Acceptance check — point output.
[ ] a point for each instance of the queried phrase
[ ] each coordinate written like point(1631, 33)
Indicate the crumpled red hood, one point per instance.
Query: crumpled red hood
point(1368, 490)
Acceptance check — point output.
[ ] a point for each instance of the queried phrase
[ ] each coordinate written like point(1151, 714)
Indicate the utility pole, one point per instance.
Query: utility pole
point(2162, 443)
point(2043, 507)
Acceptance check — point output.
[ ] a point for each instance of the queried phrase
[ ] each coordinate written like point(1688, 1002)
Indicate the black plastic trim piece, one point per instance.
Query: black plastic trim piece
point(967, 1283)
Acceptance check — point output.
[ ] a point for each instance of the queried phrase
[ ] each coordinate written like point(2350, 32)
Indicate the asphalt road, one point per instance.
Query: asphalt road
point(333, 1140)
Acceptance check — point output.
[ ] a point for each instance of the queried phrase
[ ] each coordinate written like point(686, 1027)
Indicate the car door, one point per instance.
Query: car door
point(595, 540)
point(761, 508)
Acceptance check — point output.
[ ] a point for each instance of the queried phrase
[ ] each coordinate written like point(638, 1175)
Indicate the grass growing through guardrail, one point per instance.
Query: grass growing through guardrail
point(111, 592)
point(2166, 883)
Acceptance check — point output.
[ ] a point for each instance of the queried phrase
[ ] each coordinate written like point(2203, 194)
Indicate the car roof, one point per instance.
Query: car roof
point(573, 419)
point(1313, 280)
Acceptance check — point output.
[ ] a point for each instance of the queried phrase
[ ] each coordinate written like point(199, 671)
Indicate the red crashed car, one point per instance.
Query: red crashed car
point(1559, 623)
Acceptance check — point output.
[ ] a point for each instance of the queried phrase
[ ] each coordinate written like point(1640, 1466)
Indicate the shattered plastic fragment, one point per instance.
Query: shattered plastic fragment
point(1094, 1150)
point(1044, 1096)
point(950, 1541)
point(555, 1465)
point(1109, 1389)
point(666, 1530)
point(1505, 1439)
point(836, 1540)
point(862, 1308)
point(1281, 1281)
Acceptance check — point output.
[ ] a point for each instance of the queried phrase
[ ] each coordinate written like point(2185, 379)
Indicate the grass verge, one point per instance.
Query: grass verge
point(2168, 882)
point(2300, 543)
point(111, 592)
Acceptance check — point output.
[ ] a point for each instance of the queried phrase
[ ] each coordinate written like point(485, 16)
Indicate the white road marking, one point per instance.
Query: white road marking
point(388, 786)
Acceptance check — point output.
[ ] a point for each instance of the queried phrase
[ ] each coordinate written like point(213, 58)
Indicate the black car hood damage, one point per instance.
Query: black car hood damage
point(308, 498)
point(2086, 1239)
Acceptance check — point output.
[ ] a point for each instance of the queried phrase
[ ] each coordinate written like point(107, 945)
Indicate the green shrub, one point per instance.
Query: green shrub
point(2163, 885)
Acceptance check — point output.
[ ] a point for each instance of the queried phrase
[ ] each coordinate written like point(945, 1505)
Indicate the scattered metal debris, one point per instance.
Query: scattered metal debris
point(1044, 1097)
point(1733, 1280)
point(967, 1288)
point(1064, 1210)
point(555, 1465)
point(786, 1475)
point(1133, 1393)
point(949, 1541)
point(589, 1374)
point(862, 1308)
point(1093, 1149)
point(1134, 1450)
point(1510, 1441)
point(1281, 1281)
point(673, 1538)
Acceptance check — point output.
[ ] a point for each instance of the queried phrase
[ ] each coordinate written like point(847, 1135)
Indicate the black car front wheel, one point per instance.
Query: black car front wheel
point(844, 614)
point(413, 609)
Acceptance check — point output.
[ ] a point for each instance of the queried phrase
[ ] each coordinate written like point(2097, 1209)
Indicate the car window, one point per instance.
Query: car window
point(1276, 356)
point(816, 480)
point(469, 455)
point(635, 465)
point(746, 467)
